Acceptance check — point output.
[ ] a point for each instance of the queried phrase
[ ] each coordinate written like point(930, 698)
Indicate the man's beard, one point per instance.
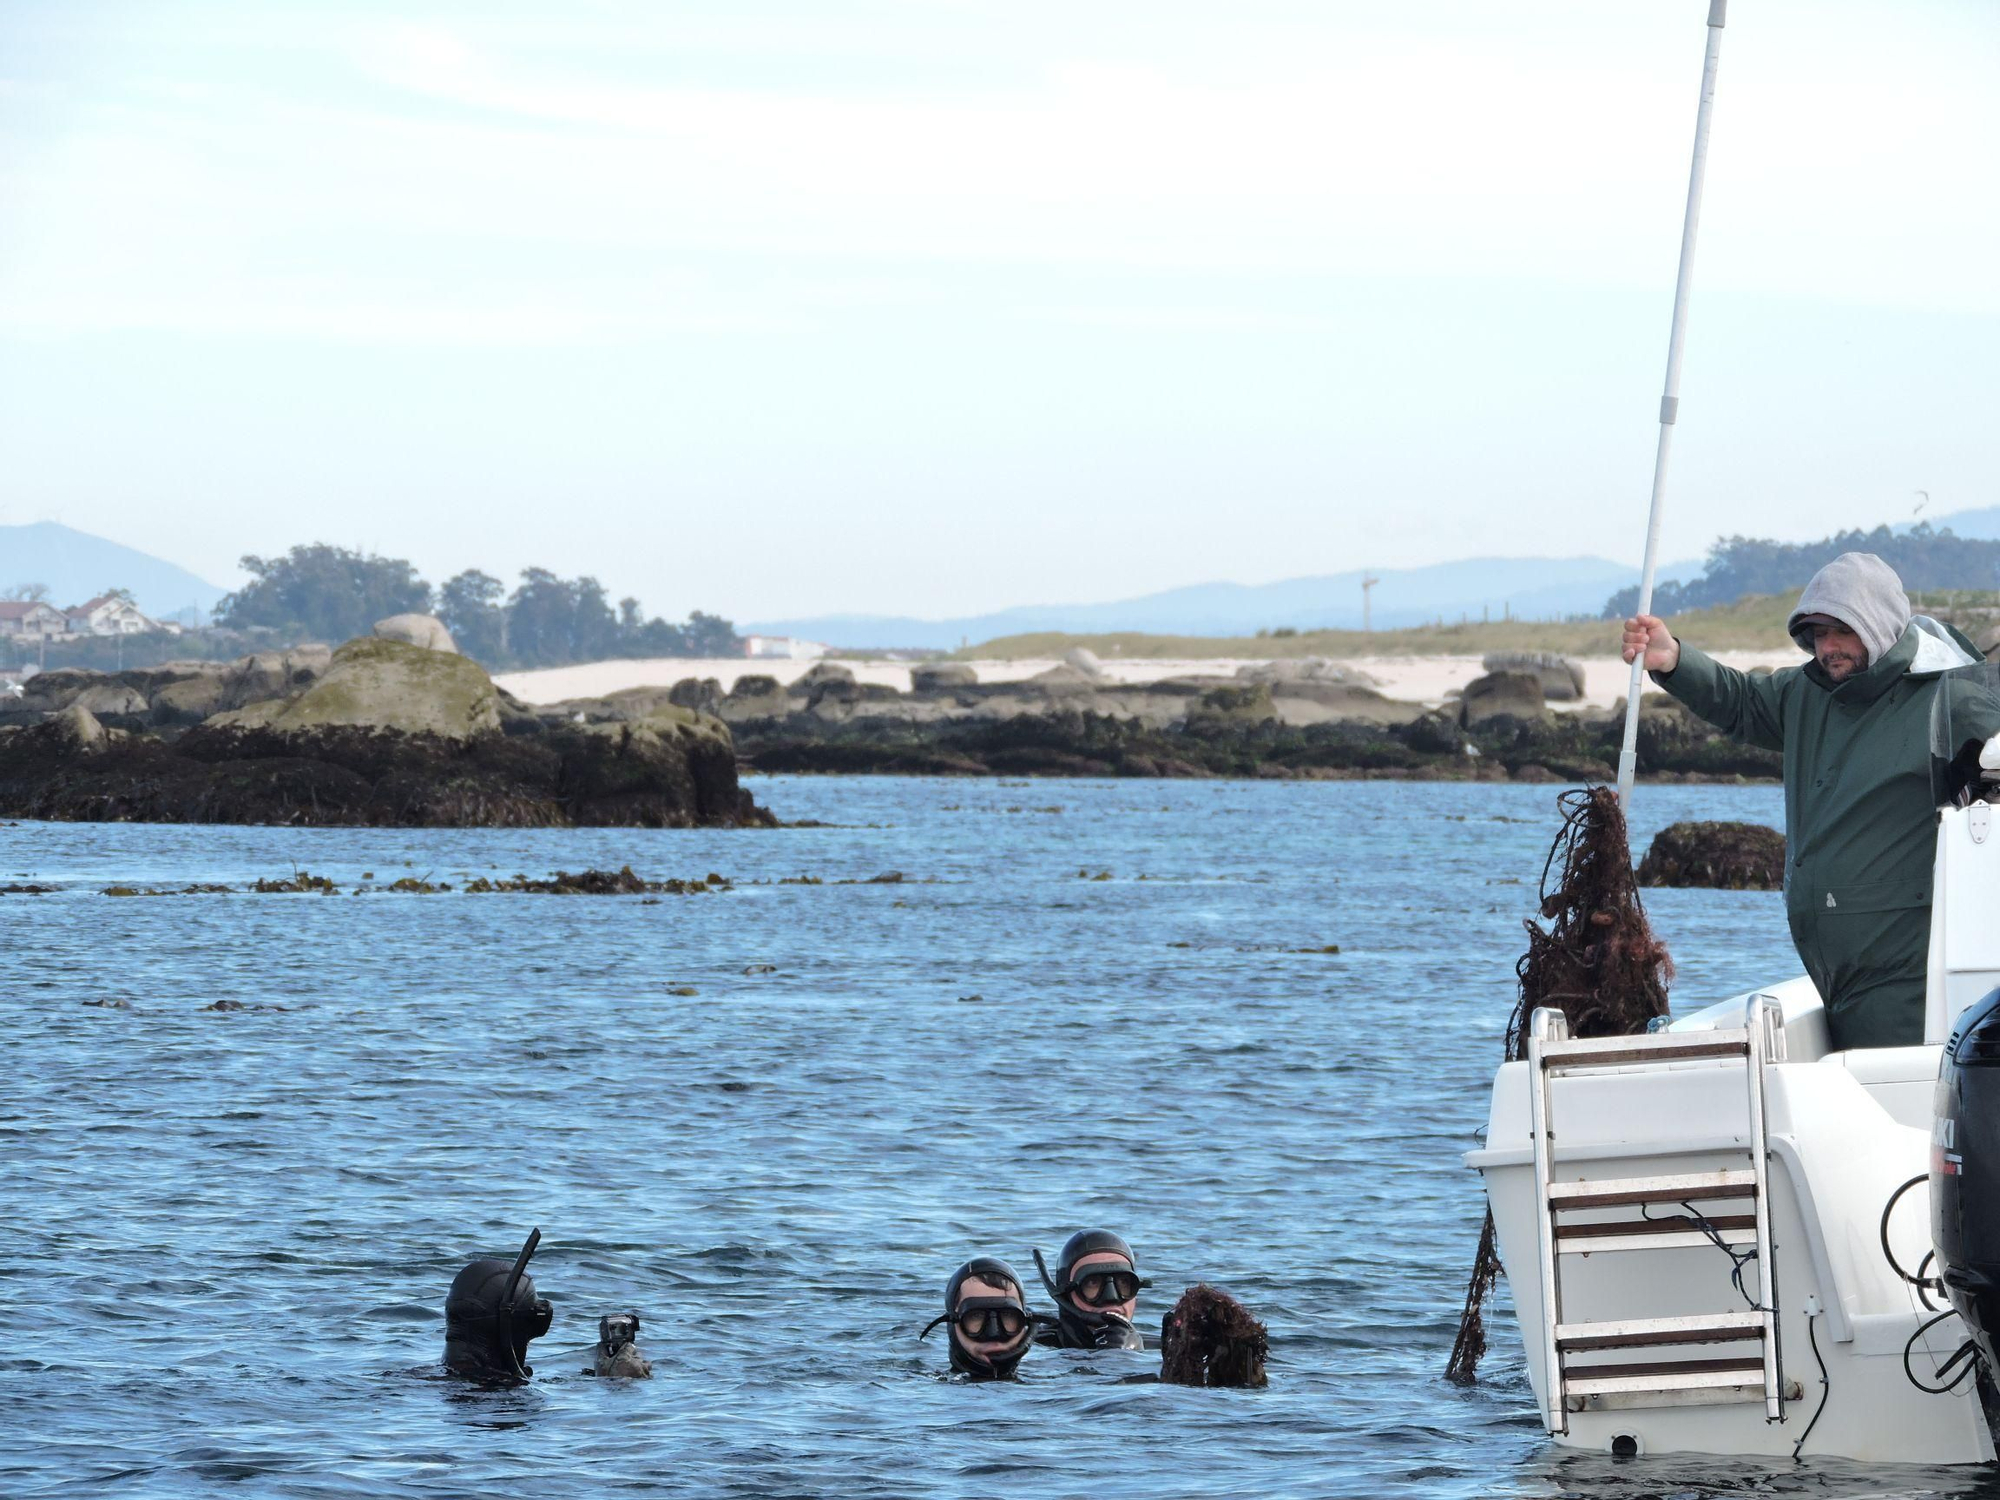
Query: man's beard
point(1840, 668)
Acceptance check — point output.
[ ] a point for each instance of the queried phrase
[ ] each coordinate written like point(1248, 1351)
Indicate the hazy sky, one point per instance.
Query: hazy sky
point(933, 306)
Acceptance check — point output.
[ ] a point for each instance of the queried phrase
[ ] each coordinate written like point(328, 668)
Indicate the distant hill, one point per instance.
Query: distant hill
point(1982, 525)
point(1928, 556)
point(76, 566)
point(1529, 588)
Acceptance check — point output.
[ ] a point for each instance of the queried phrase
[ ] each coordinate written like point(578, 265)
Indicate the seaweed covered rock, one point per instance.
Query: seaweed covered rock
point(647, 776)
point(174, 695)
point(1716, 856)
point(391, 735)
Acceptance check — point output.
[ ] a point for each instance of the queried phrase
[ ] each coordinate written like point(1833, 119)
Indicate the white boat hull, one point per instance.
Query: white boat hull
point(1845, 1131)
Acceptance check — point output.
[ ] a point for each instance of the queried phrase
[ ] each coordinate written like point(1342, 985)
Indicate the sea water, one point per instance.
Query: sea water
point(771, 1120)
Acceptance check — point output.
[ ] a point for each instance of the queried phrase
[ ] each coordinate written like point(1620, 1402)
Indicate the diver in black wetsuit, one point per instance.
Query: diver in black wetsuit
point(490, 1315)
point(1096, 1287)
point(991, 1327)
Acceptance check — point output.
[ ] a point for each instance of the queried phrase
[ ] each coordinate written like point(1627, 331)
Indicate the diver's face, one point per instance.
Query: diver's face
point(1080, 1282)
point(988, 1350)
point(1838, 650)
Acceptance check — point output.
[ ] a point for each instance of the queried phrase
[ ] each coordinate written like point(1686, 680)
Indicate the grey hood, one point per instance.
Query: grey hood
point(1864, 594)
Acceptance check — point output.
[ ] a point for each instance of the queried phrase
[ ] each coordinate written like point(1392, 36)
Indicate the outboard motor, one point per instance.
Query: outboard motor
point(1965, 1172)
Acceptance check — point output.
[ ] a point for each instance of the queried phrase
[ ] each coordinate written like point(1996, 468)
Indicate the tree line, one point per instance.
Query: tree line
point(1923, 557)
point(325, 593)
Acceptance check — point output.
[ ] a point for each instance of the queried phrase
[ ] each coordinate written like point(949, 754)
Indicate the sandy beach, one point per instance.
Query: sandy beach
point(1416, 679)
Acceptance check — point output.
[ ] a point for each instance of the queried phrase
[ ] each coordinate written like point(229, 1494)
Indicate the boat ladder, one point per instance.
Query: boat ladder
point(1753, 1371)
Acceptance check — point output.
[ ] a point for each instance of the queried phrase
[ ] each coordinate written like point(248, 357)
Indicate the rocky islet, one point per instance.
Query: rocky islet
point(379, 732)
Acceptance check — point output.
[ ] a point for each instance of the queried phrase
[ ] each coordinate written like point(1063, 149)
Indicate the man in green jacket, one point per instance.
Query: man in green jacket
point(1853, 725)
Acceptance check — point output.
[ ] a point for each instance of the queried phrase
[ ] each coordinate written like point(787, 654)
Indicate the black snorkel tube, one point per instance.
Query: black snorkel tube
point(519, 1371)
point(1047, 1280)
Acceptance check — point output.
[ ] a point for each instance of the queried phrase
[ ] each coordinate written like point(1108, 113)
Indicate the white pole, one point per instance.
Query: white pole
point(1628, 756)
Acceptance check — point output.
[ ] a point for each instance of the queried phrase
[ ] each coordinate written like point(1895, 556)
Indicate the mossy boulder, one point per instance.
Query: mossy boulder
point(382, 684)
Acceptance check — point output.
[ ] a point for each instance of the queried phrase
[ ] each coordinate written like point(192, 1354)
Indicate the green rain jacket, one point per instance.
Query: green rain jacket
point(1860, 820)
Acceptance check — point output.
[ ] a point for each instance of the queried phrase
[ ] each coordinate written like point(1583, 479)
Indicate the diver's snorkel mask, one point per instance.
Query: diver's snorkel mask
point(1106, 1286)
point(989, 1320)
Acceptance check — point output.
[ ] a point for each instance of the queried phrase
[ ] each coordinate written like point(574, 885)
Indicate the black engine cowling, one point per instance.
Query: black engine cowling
point(1965, 1172)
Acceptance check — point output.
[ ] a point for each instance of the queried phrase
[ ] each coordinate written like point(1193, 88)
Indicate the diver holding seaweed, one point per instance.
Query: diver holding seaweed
point(1096, 1286)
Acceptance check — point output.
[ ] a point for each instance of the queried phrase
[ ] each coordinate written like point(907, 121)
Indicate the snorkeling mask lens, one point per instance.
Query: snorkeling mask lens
point(1105, 1288)
point(990, 1320)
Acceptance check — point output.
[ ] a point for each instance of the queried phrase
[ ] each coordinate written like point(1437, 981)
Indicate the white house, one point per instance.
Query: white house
point(30, 619)
point(107, 614)
point(782, 647)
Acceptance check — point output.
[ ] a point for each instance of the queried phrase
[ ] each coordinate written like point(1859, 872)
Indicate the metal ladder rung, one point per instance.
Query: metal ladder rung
point(1746, 1375)
point(1692, 1239)
point(1674, 1233)
point(1675, 1383)
point(1657, 1047)
point(1637, 1333)
point(1610, 1192)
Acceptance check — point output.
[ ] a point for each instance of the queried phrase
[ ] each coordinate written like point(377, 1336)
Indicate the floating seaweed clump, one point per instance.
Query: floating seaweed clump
point(185, 890)
point(619, 882)
point(1597, 961)
point(299, 881)
point(1212, 1339)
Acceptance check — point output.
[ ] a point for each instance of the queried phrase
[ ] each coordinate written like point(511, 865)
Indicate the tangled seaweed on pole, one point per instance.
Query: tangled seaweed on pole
point(1597, 961)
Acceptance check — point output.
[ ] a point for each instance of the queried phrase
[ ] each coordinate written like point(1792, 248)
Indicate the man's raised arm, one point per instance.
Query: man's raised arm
point(1742, 706)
